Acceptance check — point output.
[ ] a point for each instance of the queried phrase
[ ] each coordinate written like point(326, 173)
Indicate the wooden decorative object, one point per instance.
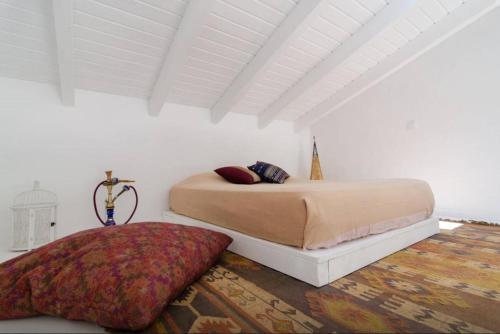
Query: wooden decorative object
point(316, 173)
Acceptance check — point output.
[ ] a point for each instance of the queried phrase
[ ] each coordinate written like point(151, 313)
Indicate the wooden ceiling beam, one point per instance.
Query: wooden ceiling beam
point(63, 26)
point(457, 20)
point(390, 13)
point(192, 21)
point(293, 25)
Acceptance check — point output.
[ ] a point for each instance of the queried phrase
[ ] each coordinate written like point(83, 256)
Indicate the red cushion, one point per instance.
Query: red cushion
point(118, 277)
point(240, 175)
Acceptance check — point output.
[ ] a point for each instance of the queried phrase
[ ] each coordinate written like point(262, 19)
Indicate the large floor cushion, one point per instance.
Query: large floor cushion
point(119, 277)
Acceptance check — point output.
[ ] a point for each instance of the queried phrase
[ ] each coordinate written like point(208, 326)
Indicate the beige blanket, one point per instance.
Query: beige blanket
point(303, 213)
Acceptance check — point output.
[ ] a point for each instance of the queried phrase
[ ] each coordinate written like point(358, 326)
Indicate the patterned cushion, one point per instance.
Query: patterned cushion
point(240, 175)
point(120, 277)
point(269, 173)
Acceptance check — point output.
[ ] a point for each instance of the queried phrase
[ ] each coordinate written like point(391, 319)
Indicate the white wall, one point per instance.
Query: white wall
point(452, 93)
point(68, 149)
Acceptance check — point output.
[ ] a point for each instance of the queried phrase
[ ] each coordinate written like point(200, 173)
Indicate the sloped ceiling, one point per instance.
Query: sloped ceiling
point(277, 59)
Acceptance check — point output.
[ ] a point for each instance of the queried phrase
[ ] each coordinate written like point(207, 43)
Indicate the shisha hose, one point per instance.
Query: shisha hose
point(110, 211)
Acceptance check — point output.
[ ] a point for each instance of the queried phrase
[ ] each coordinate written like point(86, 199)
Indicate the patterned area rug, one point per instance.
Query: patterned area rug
point(447, 283)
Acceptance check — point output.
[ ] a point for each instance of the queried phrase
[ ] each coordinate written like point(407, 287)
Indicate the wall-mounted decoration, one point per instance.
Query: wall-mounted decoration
point(316, 173)
point(34, 218)
point(109, 183)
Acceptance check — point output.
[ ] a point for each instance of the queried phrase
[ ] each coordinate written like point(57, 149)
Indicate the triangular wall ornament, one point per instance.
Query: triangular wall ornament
point(316, 173)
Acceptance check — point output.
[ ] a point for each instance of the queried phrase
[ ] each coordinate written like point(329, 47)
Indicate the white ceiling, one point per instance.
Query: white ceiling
point(120, 47)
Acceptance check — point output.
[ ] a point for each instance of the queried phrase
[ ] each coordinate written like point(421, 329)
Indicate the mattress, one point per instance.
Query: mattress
point(304, 213)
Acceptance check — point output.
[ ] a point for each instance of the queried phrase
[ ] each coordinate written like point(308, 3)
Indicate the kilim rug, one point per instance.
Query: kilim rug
point(447, 283)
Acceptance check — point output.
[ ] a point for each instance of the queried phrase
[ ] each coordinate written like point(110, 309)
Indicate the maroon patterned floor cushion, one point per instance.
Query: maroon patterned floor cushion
point(118, 277)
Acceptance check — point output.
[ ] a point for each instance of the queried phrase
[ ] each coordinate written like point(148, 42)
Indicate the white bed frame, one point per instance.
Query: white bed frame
point(318, 267)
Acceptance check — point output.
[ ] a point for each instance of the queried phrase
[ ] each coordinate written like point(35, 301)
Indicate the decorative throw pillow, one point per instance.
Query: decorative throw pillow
point(269, 173)
point(240, 175)
point(119, 277)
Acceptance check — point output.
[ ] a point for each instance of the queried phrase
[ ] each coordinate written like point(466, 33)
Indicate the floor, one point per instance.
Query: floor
point(447, 283)
point(46, 324)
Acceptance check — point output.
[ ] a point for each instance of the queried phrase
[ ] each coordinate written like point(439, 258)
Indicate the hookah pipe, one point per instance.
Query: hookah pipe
point(109, 183)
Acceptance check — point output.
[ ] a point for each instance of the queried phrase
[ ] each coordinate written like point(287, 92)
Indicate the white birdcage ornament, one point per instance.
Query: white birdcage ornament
point(34, 218)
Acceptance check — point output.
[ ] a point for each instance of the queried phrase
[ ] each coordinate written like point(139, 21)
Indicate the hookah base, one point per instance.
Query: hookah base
point(110, 221)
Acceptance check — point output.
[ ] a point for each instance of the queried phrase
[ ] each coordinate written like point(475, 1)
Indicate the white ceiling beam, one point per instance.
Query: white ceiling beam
point(292, 26)
point(390, 13)
point(457, 20)
point(63, 25)
point(192, 21)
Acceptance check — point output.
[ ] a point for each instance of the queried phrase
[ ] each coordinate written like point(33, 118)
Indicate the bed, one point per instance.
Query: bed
point(316, 231)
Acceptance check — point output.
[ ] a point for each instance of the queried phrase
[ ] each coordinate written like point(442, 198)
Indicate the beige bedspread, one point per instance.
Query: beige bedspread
point(303, 213)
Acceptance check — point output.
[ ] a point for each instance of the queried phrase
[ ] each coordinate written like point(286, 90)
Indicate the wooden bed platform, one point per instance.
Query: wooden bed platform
point(318, 267)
